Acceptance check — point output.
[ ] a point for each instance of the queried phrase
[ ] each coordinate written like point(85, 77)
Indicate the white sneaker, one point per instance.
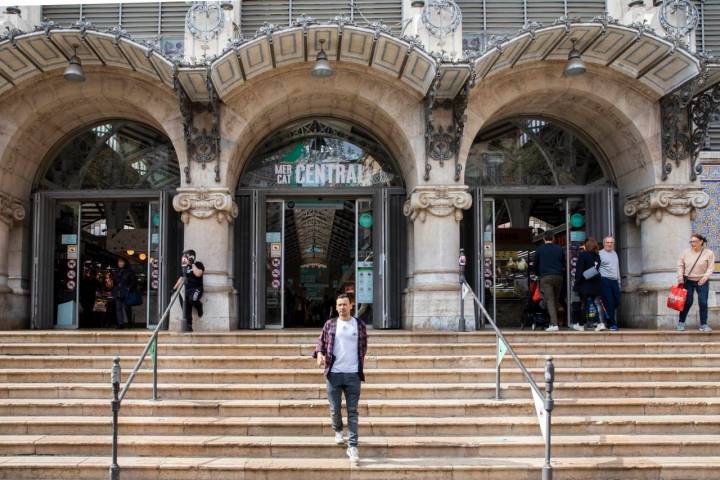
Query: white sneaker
point(578, 327)
point(339, 438)
point(705, 328)
point(552, 328)
point(600, 327)
point(353, 454)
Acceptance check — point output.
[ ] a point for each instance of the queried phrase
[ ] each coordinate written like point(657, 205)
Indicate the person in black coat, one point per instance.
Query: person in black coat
point(123, 279)
point(588, 283)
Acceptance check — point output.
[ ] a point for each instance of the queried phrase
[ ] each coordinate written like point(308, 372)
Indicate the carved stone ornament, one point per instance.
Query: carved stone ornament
point(674, 200)
point(11, 210)
point(438, 201)
point(205, 203)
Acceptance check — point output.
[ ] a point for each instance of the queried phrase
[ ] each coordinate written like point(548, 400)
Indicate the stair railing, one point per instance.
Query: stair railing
point(543, 403)
point(118, 395)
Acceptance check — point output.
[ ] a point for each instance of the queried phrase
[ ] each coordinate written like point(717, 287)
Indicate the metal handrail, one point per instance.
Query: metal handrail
point(547, 399)
point(118, 396)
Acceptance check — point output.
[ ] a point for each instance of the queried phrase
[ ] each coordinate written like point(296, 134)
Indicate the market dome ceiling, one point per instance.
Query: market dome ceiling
point(634, 51)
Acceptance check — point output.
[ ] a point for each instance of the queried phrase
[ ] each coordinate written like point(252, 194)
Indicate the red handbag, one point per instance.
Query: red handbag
point(676, 299)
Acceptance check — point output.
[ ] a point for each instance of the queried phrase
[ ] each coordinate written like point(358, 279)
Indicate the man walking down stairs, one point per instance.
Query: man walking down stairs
point(253, 405)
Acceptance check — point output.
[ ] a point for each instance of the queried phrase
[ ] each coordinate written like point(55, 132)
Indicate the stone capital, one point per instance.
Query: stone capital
point(204, 203)
point(11, 210)
point(678, 200)
point(437, 201)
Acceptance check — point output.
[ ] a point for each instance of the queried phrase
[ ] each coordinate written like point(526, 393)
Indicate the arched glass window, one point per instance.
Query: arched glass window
point(114, 155)
point(531, 151)
point(320, 153)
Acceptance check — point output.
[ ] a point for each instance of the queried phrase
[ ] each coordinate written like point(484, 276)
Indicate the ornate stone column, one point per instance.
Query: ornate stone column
point(434, 302)
point(207, 213)
point(664, 214)
point(12, 212)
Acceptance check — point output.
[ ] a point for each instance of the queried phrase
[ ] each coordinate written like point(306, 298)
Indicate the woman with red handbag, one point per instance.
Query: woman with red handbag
point(695, 266)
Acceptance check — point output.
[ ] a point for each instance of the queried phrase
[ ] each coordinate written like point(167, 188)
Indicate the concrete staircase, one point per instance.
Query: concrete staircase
point(252, 405)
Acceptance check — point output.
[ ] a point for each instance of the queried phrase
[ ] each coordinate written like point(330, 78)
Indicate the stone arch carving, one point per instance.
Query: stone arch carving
point(43, 115)
point(393, 115)
point(617, 115)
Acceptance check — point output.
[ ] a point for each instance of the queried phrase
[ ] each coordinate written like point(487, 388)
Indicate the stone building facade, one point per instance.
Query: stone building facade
point(229, 148)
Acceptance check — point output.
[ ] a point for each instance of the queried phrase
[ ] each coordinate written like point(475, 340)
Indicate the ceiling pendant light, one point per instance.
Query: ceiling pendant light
point(575, 65)
point(74, 71)
point(322, 67)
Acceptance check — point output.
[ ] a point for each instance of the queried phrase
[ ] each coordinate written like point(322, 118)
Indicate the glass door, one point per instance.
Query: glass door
point(365, 260)
point(273, 264)
point(152, 270)
point(487, 255)
point(66, 294)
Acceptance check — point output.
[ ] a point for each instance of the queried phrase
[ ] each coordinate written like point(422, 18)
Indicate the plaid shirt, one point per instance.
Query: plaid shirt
point(326, 343)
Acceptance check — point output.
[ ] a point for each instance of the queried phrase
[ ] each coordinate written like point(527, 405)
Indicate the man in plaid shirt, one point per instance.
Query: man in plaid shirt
point(341, 349)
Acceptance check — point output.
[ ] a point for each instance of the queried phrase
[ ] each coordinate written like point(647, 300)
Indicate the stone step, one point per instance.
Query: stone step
point(302, 391)
point(377, 426)
point(367, 408)
point(376, 375)
point(308, 336)
point(229, 350)
point(372, 447)
point(479, 468)
point(371, 361)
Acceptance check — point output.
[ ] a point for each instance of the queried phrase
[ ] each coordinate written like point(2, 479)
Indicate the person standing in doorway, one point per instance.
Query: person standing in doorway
point(695, 266)
point(192, 271)
point(123, 282)
point(549, 267)
point(588, 284)
point(340, 350)
point(610, 278)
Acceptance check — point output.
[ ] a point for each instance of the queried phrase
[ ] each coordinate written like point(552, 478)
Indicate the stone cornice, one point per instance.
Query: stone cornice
point(11, 209)
point(437, 201)
point(204, 203)
point(679, 200)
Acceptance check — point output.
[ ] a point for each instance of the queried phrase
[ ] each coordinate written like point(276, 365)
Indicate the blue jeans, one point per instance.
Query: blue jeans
point(349, 383)
point(702, 291)
point(611, 298)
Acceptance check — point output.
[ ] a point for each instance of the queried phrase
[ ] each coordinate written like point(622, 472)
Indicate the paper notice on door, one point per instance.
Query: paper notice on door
point(364, 285)
point(72, 253)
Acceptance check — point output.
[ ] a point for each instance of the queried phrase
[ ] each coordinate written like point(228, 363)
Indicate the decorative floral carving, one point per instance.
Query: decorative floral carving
point(674, 200)
point(205, 203)
point(11, 209)
point(438, 201)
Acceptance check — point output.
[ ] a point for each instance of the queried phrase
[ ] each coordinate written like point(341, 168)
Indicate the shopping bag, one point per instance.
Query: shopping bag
point(676, 299)
point(133, 299)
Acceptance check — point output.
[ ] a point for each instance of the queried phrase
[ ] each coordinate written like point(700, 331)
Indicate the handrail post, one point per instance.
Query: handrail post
point(115, 378)
point(153, 353)
point(547, 473)
point(498, 362)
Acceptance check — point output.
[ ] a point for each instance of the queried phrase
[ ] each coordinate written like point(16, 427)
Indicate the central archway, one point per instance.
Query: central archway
point(326, 196)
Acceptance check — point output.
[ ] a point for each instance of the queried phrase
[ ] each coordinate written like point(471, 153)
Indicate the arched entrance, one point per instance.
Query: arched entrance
point(104, 194)
point(528, 176)
point(320, 213)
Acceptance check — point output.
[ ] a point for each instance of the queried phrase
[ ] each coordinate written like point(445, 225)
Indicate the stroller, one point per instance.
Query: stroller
point(534, 315)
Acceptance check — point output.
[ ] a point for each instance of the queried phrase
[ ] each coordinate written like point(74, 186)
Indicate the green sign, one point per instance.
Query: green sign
point(365, 220)
point(577, 220)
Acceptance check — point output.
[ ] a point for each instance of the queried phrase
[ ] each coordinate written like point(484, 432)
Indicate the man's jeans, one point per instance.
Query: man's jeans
point(611, 298)
point(702, 291)
point(349, 383)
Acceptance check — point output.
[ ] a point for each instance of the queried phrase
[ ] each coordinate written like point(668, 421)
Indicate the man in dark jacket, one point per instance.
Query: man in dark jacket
point(123, 279)
point(340, 350)
point(192, 272)
point(549, 267)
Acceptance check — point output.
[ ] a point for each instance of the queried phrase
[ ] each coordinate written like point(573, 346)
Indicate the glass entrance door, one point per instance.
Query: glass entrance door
point(87, 239)
point(315, 249)
point(512, 229)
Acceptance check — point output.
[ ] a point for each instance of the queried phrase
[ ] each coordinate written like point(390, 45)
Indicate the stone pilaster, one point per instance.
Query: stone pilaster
point(434, 298)
point(664, 214)
point(208, 214)
point(12, 212)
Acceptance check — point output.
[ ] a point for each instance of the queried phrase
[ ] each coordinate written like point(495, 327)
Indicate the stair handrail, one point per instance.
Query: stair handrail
point(543, 403)
point(118, 395)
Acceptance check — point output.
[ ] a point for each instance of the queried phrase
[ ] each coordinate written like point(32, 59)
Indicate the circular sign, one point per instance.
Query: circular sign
point(70, 285)
point(155, 274)
point(71, 274)
point(154, 284)
point(275, 262)
point(577, 220)
point(365, 220)
point(276, 273)
point(71, 264)
point(276, 283)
